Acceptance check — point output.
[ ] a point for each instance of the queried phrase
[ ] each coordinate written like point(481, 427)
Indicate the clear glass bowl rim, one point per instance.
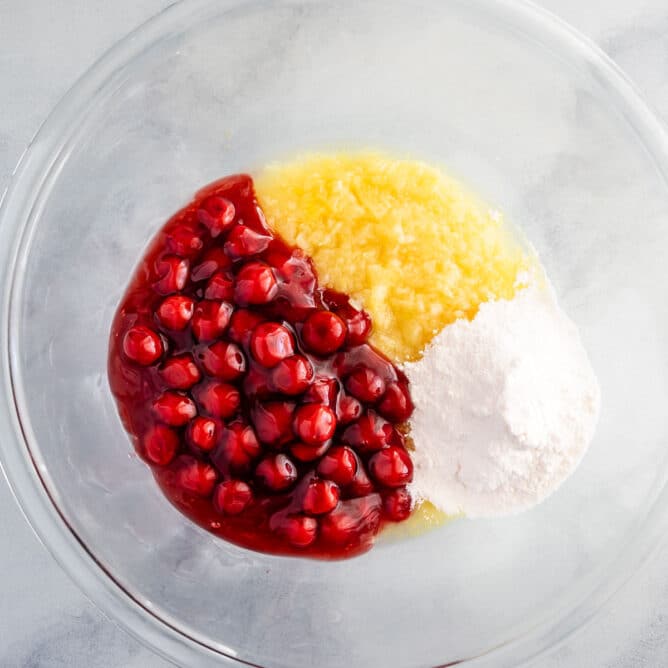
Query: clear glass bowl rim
point(19, 209)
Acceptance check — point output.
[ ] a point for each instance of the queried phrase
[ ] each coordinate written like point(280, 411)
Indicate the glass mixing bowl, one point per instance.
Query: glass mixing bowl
point(517, 105)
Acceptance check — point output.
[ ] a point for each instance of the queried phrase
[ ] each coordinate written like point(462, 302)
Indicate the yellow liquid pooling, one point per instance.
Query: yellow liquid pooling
point(405, 241)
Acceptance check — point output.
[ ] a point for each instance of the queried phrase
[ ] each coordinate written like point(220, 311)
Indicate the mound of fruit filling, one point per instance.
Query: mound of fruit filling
point(253, 392)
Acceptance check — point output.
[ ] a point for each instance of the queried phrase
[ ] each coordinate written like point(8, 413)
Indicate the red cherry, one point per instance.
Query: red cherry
point(194, 476)
point(368, 433)
point(232, 497)
point(397, 504)
point(238, 448)
point(175, 312)
point(270, 343)
point(320, 496)
point(210, 319)
point(314, 423)
point(308, 453)
point(218, 399)
point(351, 521)
point(292, 375)
point(391, 466)
point(396, 404)
point(214, 260)
point(184, 240)
point(256, 384)
point(298, 530)
point(298, 270)
point(255, 284)
point(361, 485)
point(366, 385)
point(358, 325)
point(242, 324)
point(180, 373)
point(217, 214)
point(142, 345)
point(298, 281)
point(223, 360)
point(276, 472)
point(293, 265)
point(203, 433)
point(339, 465)
point(172, 272)
point(322, 391)
point(279, 258)
point(348, 409)
point(242, 242)
point(273, 422)
point(245, 437)
point(323, 332)
point(174, 409)
point(220, 287)
point(160, 444)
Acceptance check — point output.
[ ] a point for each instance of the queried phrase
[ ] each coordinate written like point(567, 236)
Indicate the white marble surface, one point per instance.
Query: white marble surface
point(44, 620)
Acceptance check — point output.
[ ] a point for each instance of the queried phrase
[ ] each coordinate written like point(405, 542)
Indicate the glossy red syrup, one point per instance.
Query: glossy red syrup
point(251, 391)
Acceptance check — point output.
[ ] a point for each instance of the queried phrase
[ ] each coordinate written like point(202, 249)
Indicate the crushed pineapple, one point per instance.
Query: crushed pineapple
point(404, 240)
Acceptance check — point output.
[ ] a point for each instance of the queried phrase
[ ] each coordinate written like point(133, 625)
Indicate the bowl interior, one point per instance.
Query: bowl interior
point(521, 118)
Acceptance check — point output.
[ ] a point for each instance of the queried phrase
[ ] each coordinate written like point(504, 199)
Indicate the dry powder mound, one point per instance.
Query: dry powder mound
point(506, 405)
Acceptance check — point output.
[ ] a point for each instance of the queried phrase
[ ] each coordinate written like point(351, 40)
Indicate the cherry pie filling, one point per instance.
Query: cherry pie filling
point(252, 392)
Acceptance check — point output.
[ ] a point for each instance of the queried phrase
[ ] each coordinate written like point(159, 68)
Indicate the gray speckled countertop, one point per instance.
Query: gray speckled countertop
point(44, 620)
